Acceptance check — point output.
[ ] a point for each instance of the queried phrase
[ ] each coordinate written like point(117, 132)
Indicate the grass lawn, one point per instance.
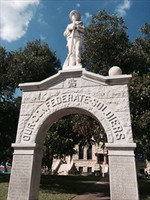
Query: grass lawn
point(66, 187)
point(144, 189)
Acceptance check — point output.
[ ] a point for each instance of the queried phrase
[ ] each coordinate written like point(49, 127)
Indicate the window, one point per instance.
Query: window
point(80, 170)
point(89, 170)
point(89, 153)
point(81, 153)
point(100, 158)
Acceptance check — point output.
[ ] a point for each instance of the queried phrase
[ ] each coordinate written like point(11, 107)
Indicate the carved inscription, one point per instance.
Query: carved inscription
point(123, 178)
point(20, 177)
point(83, 99)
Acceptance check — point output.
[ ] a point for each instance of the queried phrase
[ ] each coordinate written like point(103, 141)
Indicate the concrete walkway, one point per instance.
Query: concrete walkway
point(100, 190)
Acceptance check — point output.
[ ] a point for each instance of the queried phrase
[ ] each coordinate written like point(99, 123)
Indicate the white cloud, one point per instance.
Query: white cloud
point(123, 7)
point(15, 17)
point(41, 19)
point(60, 9)
point(86, 18)
point(43, 37)
point(78, 5)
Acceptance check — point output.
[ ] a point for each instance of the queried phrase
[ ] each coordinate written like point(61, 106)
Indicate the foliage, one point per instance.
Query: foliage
point(6, 91)
point(33, 63)
point(140, 112)
point(106, 44)
point(141, 49)
point(9, 112)
point(140, 92)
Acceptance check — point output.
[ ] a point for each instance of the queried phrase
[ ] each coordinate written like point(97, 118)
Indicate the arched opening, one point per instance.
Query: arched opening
point(75, 138)
point(88, 159)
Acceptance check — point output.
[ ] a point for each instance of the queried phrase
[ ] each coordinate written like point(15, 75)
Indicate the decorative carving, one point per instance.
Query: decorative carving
point(72, 83)
point(83, 100)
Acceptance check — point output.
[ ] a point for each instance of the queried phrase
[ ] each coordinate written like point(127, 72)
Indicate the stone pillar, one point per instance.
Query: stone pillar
point(25, 173)
point(122, 171)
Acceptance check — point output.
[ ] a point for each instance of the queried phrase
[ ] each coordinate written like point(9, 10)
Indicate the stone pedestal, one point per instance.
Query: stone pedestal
point(25, 173)
point(123, 178)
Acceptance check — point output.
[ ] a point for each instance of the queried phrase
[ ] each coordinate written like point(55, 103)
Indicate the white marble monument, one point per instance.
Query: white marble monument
point(74, 90)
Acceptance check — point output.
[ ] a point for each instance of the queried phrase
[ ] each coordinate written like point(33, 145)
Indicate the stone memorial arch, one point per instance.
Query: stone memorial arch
point(71, 91)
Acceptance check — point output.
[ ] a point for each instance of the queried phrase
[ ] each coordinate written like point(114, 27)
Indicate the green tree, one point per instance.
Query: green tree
point(9, 112)
point(6, 91)
point(33, 63)
point(106, 44)
point(140, 92)
point(141, 47)
point(140, 112)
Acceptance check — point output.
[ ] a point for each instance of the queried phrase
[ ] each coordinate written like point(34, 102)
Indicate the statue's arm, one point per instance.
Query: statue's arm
point(80, 27)
point(68, 30)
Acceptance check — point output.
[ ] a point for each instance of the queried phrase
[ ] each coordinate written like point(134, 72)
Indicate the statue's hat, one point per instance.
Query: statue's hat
point(75, 12)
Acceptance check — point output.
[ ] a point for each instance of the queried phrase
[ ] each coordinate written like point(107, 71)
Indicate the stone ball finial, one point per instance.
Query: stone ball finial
point(115, 70)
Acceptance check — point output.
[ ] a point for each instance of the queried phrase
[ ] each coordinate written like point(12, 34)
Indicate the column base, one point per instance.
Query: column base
point(122, 171)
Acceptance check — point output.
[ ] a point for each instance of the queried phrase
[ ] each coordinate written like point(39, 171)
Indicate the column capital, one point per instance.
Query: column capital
point(21, 148)
point(116, 149)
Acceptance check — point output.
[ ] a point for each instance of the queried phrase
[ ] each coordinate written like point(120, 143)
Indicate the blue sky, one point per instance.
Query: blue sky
point(26, 20)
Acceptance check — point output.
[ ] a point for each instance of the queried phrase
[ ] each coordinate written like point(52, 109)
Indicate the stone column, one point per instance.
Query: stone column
point(25, 173)
point(122, 171)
